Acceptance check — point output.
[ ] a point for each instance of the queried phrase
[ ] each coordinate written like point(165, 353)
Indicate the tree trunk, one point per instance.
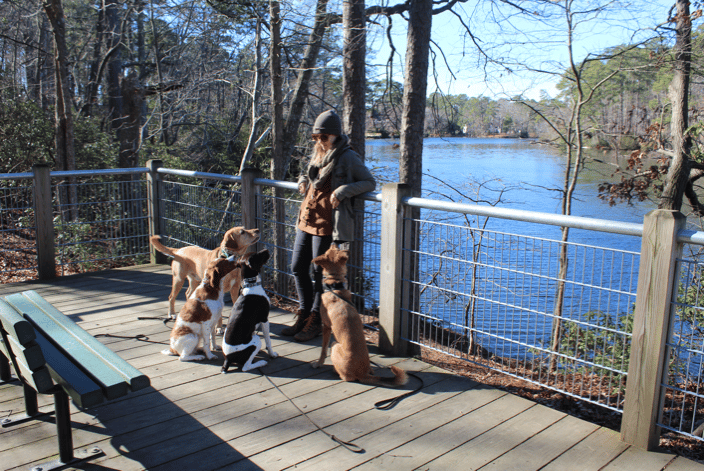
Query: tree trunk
point(65, 151)
point(678, 174)
point(412, 126)
point(300, 93)
point(114, 71)
point(414, 94)
point(91, 96)
point(278, 170)
point(353, 73)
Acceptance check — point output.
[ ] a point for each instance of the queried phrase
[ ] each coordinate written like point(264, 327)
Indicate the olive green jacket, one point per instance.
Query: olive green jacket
point(350, 177)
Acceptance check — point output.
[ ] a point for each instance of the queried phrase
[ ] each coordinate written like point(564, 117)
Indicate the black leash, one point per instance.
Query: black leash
point(349, 445)
point(388, 404)
point(165, 320)
point(140, 337)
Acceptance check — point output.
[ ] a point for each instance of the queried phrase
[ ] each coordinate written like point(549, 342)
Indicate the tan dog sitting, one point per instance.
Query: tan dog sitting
point(191, 261)
point(350, 355)
point(195, 324)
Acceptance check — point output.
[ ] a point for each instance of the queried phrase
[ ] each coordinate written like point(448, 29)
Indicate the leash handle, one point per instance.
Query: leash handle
point(388, 404)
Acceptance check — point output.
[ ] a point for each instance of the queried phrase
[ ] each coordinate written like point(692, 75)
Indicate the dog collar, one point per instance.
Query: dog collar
point(340, 285)
point(251, 282)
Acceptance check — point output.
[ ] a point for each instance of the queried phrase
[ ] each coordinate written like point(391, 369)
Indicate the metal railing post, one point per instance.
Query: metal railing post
point(44, 221)
point(156, 210)
point(657, 279)
point(391, 322)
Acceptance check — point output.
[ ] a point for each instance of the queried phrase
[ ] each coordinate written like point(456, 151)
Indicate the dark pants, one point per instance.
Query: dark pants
point(305, 249)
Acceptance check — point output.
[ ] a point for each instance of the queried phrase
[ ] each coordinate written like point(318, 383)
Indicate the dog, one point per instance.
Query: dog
point(190, 261)
point(350, 356)
point(240, 342)
point(195, 324)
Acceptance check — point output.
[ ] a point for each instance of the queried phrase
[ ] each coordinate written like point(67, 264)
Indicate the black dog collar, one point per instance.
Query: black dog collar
point(250, 283)
point(340, 285)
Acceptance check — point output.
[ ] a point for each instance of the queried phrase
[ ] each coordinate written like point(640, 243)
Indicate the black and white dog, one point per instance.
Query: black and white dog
point(240, 342)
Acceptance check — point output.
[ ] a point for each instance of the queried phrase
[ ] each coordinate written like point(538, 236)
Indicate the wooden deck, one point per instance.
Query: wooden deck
point(194, 418)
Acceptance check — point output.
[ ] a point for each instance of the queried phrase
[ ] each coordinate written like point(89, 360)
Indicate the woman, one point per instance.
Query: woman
point(334, 176)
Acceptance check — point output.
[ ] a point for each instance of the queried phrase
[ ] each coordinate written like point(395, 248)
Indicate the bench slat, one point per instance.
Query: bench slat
point(134, 378)
point(37, 378)
point(61, 331)
point(31, 353)
point(15, 324)
point(79, 386)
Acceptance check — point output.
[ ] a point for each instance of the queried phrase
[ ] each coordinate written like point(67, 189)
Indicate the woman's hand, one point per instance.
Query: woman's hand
point(335, 202)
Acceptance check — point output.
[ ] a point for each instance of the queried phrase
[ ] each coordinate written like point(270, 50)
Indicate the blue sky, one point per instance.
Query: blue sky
point(523, 40)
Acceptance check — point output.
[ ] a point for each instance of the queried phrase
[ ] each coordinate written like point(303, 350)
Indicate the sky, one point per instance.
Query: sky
point(522, 41)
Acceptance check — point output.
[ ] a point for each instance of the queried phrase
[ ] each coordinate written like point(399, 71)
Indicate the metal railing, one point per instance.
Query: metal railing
point(425, 276)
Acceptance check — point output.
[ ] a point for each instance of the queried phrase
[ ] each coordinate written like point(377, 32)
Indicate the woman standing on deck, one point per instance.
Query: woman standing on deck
point(335, 175)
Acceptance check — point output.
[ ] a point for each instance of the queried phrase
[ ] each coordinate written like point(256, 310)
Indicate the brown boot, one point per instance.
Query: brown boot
point(301, 318)
point(312, 329)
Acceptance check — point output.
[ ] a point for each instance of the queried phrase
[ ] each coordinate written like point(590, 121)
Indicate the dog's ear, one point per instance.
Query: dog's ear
point(258, 260)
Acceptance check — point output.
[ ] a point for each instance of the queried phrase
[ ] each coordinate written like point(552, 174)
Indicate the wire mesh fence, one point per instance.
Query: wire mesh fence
point(682, 389)
point(18, 248)
point(100, 222)
point(553, 313)
point(197, 212)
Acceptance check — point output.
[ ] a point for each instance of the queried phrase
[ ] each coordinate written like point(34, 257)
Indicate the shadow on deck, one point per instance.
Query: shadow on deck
point(195, 418)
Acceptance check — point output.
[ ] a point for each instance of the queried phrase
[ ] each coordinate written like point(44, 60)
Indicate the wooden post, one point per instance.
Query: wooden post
point(44, 221)
point(249, 198)
point(156, 210)
point(390, 286)
point(657, 279)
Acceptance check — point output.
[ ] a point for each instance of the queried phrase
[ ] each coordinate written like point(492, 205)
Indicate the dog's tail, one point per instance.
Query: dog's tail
point(400, 378)
point(156, 242)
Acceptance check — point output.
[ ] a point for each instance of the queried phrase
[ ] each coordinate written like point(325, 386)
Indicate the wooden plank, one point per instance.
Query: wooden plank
point(30, 353)
point(492, 444)
point(545, 446)
point(594, 452)
point(635, 459)
point(15, 324)
point(80, 387)
point(107, 367)
point(37, 377)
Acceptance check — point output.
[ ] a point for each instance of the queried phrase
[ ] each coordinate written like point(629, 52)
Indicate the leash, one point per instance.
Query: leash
point(388, 404)
point(165, 320)
point(140, 337)
point(348, 445)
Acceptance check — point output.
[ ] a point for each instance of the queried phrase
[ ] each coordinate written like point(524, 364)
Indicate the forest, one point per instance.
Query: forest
point(217, 85)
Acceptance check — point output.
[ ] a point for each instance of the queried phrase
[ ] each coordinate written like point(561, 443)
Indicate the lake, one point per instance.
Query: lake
point(529, 173)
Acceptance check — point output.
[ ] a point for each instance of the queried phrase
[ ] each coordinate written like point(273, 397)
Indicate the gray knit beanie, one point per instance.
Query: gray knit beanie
point(328, 122)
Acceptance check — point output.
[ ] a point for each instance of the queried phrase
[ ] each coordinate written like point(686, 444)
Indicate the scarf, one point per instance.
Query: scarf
point(320, 171)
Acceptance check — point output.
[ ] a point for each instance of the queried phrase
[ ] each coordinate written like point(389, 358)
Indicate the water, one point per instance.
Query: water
point(530, 174)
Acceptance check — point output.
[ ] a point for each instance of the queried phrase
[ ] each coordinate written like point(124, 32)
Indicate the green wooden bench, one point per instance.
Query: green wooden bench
point(52, 355)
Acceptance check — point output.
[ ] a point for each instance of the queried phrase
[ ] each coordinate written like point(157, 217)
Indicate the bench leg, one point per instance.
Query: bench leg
point(5, 369)
point(31, 407)
point(65, 436)
point(63, 426)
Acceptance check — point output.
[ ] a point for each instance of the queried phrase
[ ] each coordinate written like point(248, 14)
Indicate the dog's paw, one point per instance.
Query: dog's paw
point(258, 364)
point(211, 356)
point(273, 355)
point(172, 315)
point(193, 358)
point(219, 331)
point(315, 364)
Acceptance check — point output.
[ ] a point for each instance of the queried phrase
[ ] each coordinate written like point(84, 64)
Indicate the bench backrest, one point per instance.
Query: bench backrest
point(18, 344)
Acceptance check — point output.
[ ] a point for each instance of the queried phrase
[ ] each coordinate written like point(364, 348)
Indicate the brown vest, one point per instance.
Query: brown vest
point(315, 216)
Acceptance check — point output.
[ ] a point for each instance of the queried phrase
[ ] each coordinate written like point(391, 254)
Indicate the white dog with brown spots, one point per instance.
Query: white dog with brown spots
point(195, 324)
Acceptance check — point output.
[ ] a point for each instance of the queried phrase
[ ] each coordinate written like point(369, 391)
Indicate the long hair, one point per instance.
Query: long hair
point(319, 151)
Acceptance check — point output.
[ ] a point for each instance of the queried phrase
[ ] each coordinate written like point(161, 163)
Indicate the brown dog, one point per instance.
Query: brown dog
point(191, 261)
point(350, 355)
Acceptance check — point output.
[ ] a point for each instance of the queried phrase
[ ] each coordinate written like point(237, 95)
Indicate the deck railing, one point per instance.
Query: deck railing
point(617, 328)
